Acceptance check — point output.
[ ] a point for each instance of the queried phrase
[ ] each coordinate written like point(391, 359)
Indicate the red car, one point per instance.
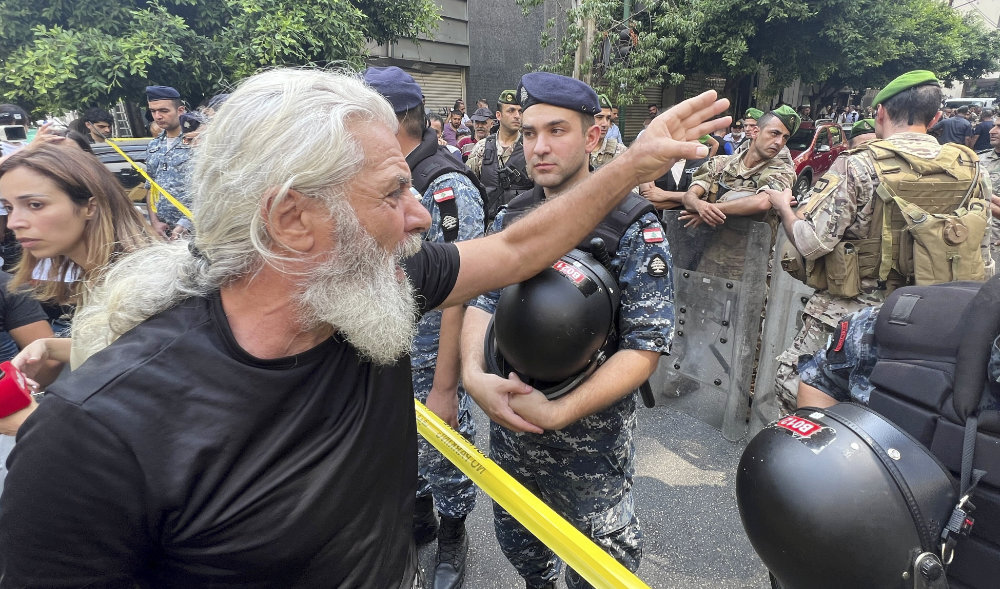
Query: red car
point(814, 147)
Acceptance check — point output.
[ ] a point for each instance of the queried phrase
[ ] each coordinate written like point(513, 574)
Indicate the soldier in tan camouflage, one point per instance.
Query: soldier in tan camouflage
point(609, 147)
point(842, 206)
point(990, 160)
point(733, 184)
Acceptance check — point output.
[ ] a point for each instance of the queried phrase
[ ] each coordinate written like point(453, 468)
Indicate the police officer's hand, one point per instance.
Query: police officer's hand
point(443, 402)
point(494, 394)
point(537, 409)
point(159, 226)
point(178, 232)
point(995, 206)
point(673, 135)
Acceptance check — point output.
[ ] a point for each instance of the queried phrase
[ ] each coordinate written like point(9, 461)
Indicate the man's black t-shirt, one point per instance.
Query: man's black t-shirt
point(175, 459)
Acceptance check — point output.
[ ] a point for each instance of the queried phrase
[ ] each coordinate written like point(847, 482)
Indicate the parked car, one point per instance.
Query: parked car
point(113, 161)
point(814, 147)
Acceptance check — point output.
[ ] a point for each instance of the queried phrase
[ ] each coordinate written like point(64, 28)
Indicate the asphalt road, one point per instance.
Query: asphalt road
point(685, 492)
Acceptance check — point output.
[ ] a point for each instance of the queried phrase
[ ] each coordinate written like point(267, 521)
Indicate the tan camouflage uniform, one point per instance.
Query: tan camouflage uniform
point(777, 173)
point(475, 161)
point(610, 148)
point(990, 161)
point(841, 206)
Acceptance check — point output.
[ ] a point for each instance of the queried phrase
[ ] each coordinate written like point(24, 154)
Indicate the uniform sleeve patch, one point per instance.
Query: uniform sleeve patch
point(657, 266)
point(652, 234)
point(444, 194)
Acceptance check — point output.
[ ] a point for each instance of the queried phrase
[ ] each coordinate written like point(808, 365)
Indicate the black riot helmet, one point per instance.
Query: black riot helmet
point(557, 327)
point(840, 497)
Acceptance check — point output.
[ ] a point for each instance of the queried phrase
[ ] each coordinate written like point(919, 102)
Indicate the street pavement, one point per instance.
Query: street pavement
point(686, 502)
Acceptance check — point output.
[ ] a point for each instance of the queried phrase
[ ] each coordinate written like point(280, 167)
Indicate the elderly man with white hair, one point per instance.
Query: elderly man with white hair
point(245, 418)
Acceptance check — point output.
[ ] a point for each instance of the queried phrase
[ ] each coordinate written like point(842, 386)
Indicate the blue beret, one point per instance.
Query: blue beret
point(216, 101)
point(161, 93)
point(397, 86)
point(546, 88)
point(190, 122)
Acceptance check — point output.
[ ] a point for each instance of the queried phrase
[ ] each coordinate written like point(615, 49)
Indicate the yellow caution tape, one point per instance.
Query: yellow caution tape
point(155, 189)
point(577, 550)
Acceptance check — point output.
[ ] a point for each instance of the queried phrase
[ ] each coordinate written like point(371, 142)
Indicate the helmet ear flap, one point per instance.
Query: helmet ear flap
point(554, 329)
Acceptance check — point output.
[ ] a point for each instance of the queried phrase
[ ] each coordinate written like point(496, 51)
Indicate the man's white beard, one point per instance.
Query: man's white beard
point(358, 293)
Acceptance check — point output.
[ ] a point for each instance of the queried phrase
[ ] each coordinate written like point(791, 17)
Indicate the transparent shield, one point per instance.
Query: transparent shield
point(720, 279)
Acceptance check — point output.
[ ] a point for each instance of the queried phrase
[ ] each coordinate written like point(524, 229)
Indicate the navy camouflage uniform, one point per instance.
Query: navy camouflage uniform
point(170, 165)
point(453, 492)
point(585, 471)
point(846, 377)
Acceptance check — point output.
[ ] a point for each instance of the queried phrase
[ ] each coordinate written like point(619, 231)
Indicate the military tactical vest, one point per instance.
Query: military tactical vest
point(502, 184)
point(429, 161)
point(927, 226)
point(610, 230)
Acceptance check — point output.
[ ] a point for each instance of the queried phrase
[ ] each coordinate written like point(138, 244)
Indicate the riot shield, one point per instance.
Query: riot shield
point(720, 282)
point(782, 320)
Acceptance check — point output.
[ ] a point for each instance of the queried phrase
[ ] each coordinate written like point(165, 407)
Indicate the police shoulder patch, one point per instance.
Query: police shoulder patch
point(656, 266)
point(652, 234)
point(444, 194)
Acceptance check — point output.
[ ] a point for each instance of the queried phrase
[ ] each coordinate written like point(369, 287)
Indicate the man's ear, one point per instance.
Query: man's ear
point(593, 138)
point(293, 220)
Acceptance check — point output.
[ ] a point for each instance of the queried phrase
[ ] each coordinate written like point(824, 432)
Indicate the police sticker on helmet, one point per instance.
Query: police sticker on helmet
point(815, 436)
point(576, 276)
point(656, 266)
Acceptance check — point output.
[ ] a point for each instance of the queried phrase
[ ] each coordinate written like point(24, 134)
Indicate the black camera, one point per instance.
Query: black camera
point(13, 133)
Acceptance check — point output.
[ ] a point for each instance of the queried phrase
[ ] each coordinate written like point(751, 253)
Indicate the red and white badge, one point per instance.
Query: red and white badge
point(652, 235)
point(799, 426)
point(575, 275)
point(444, 194)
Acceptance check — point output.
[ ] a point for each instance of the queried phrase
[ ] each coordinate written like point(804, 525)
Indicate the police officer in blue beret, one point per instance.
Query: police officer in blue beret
point(451, 195)
point(577, 451)
point(169, 163)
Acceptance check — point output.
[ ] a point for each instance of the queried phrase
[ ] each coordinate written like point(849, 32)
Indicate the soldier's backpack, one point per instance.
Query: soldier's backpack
point(931, 380)
point(926, 228)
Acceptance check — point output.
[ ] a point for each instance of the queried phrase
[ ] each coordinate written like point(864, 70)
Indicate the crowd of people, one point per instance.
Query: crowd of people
point(237, 356)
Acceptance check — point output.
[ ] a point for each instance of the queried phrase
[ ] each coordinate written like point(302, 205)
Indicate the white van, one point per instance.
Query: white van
point(967, 101)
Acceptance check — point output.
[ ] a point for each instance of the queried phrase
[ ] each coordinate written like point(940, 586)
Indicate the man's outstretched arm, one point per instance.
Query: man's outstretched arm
point(535, 241)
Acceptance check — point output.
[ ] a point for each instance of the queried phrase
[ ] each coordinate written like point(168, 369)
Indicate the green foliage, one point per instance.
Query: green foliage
point(827, 43)
point(64, 54)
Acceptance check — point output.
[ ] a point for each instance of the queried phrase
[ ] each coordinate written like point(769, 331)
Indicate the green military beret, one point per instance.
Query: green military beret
point(605, 101)
point(788, 117)
point(905, 82)
point(863, 126)
point(508, 97)
point(753, 113)
point(704, 139)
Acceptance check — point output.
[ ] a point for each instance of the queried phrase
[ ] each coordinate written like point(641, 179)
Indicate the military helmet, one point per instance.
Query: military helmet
point(557, 327)
point(840, 497)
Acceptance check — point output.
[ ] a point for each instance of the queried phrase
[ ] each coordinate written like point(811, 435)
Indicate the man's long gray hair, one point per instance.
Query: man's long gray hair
point(281, 129)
